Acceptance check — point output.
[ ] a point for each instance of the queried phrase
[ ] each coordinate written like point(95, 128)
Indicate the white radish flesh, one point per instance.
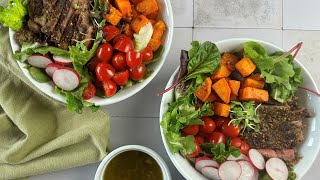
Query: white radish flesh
point(210, 172)
point(66, 79)
point(229, 170)
point(63, 60)
point(241, 157)
point(247, 171)
point(51, 68)
point(205, 162)
point(39, 60)
point(277, 169)
point(256, 159)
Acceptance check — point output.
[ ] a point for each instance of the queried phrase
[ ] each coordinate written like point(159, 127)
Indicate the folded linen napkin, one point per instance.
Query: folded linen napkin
point(37, 133)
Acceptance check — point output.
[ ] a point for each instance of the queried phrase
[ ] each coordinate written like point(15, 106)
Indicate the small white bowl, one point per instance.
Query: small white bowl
point(308, 150)
point(164, 168)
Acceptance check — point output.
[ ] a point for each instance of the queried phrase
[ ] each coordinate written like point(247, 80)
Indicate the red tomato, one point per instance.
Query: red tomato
point(138, 72)
point(199, 139)
point(236, 142)
point(230, 130)
point(195, 153)
point(118, 38)
point(89, 91)
point(92, 64)
point(110, 32)
point(121, 78)
point(133, 59)
point(244, 148)
point(109, 88)
point(124, 45)
point(208, 126)
point(216, 137)
point(104, 71)
point(119, 61)
point(191, 130)
point(147, 54)
point(104, 52)
point(219, 120)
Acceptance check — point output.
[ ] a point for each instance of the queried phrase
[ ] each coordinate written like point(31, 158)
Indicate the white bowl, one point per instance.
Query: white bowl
point(309, 149)
point(48, 88)
point(164, 168)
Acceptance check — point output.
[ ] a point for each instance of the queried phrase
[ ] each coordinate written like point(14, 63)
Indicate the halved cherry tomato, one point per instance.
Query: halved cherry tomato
point(121, 78)
point(219, 120)
point(104, 52)
point(92, 64)
point(119, 61)
point(244, 148)
point(147, 54)
point(199, 139)
point(133, 59)
point(216, 137)
point(236, 142)
point(89, 91)
point(191, 130)
point(138, 72)
point(118, 38)
point(124, 45)
point(230, 130)
point(195, 153)
point(104, 71)
point(110, 32)
point(109, 88)
point(208, 126)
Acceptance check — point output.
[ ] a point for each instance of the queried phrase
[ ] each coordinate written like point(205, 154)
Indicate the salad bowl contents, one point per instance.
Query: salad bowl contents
point(89, 52)
point(238, 109)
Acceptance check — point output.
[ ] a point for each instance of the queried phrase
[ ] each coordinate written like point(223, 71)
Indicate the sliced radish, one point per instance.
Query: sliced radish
point(210, 172)
point(63, 60)
point(256, 159)
point(39, 60)
point(230, 170)
point(51, 68)
point(241, 157)
point(277, 169)
point(256, 175)
point(247, 171)
point(66, 78)
point(205, 162)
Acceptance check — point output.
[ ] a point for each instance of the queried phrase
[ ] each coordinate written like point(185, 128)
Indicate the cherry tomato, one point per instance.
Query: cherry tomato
point(138, 72)
point(89, 91)
point(208, 126)
point(147, 54)
point(230, 130)
point(110, 32)
point(236, 142)
point(119, 61)
point(216, 137)
point(92, 64)
point(133, 59)
point(219, 120)
point(195, 153)
point(104, 71)
point(104, 52)
point(244, 148)
point(109, 88)
point(118, 38)
point(199, 139)
point(124, 45)
point(191, 130)
point(121, 78)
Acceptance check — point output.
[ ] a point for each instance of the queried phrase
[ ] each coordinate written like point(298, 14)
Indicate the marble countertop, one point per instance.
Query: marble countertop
point(282, 22)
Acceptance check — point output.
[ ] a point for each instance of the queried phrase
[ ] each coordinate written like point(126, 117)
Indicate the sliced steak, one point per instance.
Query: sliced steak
point(289, 156)
point(68, 33)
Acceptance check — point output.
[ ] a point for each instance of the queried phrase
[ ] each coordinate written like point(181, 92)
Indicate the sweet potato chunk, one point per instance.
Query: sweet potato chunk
point(114, 16)
point(204, 91)
point(245, 66)
point(158, 30)
point(229, 60)
point(135, 13)
point(149, 8)
point(234, 86)
point(138, 23)
point(212, 97)
point(249, 82)
point(253, 94)
point(256, 76)
point(223, 72)
point(223, 90)
point(136, 1)
point(221, 109)
point(124, 7)
point(128, 31)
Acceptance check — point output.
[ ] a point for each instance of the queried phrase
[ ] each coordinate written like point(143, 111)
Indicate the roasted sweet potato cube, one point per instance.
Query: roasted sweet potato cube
point(223, 72)
point(213, 97)
point(234, 86)
point(249, 82)
point(223, 90)
point(138, 23)
point(114, 16)
point(128, 31)
point(124, 7)
point(204, 91)
point(158, 30)
point(149, 8)
point(229, 60)
point(221, 109)
point(256, 76)
point(245, 66)
point(136, 1)
point(253, 94)
point(135, 13)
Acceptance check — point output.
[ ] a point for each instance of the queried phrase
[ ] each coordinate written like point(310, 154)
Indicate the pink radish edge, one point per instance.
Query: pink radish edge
point(210, 172)
point(256, 159)
point(39, 60)
point(205, 162)
point(62, 60)
point(277, 169)
point(66, 78)
point(225, 173)
point(247, 170)
point(51, 68)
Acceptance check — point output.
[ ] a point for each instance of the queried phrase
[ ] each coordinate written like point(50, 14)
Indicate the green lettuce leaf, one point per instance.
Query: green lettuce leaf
point(13, 15)
point(220, 151)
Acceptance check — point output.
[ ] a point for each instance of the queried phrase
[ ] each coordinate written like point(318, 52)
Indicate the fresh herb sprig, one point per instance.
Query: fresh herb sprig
point(220, 151)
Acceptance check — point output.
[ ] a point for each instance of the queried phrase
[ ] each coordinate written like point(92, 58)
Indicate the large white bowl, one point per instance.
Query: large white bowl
point(309, 149)
point(48, 88)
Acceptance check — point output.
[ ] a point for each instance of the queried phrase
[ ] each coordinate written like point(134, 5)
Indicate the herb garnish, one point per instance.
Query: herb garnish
point(220, 151)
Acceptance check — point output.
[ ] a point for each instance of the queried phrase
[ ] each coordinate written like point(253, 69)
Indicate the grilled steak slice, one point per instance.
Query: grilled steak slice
point(289, 156)
point(68, 33)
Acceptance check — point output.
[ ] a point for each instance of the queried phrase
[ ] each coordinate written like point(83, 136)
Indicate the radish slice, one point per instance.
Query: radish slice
point(241, 157)
point(256, 159)
point(39, 60)
point(277, 169)
point(200, 163)
point(230, 170)
point(66, 78)
point(62, 60)
point(256, 175)
point(210, 172)
point(51, 68)
point(247, 171)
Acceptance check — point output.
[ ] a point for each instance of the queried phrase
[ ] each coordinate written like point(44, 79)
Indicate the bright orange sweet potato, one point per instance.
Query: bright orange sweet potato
point(212, 97)
point(229, 60)
point(158, 30)
point(124, 7)
point(221, 109)
point(223, 72)
point(149, 8)
point(222, 89)
point(249, 82)
point(135, 13)
point(204, 91)
point(128, 31)
point(253, 94)
point(114, 16)
point(245, 66)
point(138, 23)
point(234, 86)
point(136, 1)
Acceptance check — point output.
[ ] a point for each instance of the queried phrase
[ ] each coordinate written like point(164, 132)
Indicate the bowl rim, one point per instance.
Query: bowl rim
point(103, 164)
point(173, 156)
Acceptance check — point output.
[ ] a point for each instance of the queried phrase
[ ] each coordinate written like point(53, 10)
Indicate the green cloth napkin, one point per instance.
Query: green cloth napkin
point(37, 133)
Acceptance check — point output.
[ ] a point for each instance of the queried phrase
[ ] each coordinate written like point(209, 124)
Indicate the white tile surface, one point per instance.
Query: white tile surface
point(299, 14)
point(213, 34)
point(238, 14)
point(182, 13)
